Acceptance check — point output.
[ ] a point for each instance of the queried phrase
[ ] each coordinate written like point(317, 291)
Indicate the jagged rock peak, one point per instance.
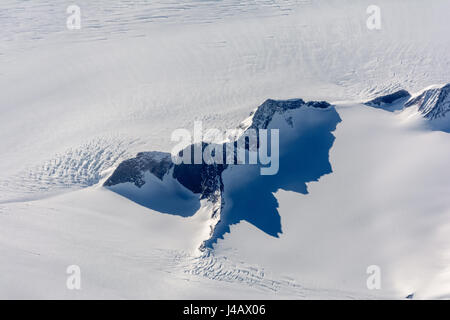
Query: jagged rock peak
point(204, 179)
point(433, 102)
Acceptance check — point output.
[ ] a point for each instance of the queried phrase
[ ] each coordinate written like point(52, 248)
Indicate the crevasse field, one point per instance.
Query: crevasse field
point(74, 104)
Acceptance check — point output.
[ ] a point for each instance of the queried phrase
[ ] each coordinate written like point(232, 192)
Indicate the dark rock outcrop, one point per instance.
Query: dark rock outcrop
point(265, 112)
point(388, 99)
point(206, 180)
point(132, 170)
point(433, 103)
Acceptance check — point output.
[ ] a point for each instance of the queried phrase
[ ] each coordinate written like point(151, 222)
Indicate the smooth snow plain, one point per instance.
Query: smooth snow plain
point(74, 103)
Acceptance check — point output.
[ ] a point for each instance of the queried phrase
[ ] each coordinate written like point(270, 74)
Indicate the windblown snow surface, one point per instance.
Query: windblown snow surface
point(74, 104)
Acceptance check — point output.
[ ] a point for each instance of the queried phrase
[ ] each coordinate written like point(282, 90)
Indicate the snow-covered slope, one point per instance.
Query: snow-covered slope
point(369, 211)
point(75, 104)
point(433, 103)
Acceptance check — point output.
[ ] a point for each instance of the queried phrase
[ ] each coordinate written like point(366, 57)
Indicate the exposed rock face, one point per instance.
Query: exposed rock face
point(206, 180)
point(132, 170)
point(265, 112)
point(203, 179)
point(433, 103)
point(388, 99)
